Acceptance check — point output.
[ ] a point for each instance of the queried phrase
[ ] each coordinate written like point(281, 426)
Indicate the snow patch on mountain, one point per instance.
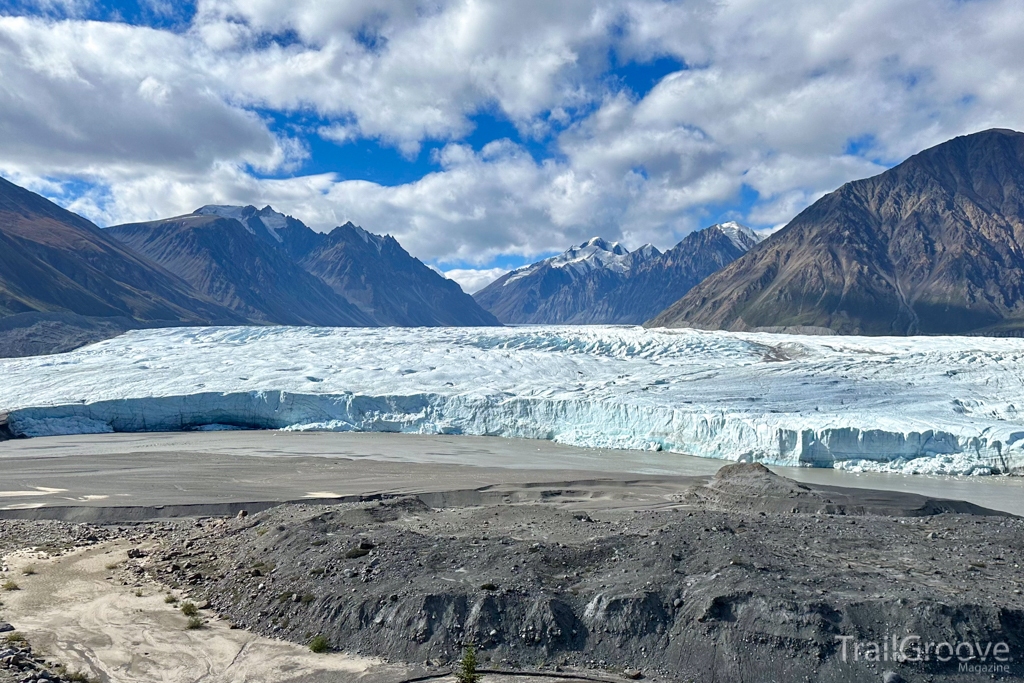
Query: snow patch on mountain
point(273, 221)
point(740, 235)
point(238, 213)
point(593, 254)
point(943, 405)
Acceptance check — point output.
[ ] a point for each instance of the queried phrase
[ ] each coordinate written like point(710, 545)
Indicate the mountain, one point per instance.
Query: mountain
point(932, 246)
point(276, 229)
point(273, 268)
point(241, 269)
point(601, 282)
point(60, 272)
point(382, 279)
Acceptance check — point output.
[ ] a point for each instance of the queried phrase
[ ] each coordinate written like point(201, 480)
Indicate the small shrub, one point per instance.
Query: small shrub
point(79, 677)
point(307, 598)
point(28, 571)
point(138, 592)
point(170, 599)
point(319, 644)
point(467, 672)
point(15, 638)
point(194, 623)
point(10, 586)
point(189, 609)
point(111, 566)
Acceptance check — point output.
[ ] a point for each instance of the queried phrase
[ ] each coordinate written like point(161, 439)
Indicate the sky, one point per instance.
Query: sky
point(485, 134)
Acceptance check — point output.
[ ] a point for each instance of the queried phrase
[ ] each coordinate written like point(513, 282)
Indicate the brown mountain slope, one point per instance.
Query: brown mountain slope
point(388, 284)
point(932, 246)
point(221, 258)
point(54, 261)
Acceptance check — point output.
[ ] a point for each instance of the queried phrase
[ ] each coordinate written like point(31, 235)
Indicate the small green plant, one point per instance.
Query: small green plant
point(319, 644)
point(170, 599)
point(194, 623)
point(467, 672)
point(138, 592)
point(79, 677)
point(189, 609)
point(29, 571)
point(10, 586)
point(14, 638)
point(113, 565)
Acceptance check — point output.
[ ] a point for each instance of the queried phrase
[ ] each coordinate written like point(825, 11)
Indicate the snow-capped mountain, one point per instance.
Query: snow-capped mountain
point(740, 235)
point(273, 227)
point(273, 268)
point(603, 282)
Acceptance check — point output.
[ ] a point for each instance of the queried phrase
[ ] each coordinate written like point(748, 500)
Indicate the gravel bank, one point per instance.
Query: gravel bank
point(753, 578)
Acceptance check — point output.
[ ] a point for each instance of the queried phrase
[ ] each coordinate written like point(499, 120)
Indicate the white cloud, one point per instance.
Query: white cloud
point(161, 122)
point(116, 101)
point(472, 281)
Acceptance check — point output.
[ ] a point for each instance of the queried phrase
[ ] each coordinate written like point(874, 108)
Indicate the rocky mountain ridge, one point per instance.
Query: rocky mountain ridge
point(600, 282)
point(65, 282)
point(931, 246)
point(275, 269)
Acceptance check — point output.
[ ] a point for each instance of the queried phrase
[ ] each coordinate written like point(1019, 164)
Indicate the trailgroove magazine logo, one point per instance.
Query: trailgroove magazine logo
point(971, 656)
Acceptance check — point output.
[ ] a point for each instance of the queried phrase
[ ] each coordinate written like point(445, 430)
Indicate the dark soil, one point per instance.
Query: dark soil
point(753, 578)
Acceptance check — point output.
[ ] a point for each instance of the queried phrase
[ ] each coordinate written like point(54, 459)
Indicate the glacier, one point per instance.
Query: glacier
point(934, 405)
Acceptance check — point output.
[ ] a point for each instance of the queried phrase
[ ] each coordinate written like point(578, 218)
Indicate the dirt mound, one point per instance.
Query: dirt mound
point(748, 594)
point(752, 487)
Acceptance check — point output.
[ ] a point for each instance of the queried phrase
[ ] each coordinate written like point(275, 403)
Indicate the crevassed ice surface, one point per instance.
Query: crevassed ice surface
point(928, 404)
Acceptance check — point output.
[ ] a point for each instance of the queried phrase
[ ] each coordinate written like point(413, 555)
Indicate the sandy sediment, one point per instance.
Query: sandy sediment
point(74, 610)
point(745, 577)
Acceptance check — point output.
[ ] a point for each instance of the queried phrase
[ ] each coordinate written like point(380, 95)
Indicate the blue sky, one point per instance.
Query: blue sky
point(486, 134)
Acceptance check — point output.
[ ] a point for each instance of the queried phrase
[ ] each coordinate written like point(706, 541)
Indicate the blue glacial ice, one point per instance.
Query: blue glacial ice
point(920, 405)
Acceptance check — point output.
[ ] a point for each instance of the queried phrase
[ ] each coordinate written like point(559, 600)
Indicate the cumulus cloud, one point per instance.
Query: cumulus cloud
point(473, 280)
point(778, 105)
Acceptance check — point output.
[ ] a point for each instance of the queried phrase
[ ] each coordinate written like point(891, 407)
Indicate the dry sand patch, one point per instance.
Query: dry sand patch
point(72, 609)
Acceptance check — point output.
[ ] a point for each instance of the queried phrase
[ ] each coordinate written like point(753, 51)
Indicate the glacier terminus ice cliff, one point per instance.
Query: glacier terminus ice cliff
point(942, 405)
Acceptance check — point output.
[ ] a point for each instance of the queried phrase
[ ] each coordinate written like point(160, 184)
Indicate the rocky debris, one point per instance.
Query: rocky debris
point(50, 537)
point(18, 664)
point(713, 584)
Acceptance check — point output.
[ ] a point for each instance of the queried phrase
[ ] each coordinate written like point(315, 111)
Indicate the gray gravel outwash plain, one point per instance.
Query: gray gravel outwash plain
point(749, 578)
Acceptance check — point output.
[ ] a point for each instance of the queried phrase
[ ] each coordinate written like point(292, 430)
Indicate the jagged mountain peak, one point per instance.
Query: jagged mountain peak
point(931, 246)
point(595, 253)
point(239, 213)
point(603, 282)
point(743, 237)
point(290, 269)
point(367, 236)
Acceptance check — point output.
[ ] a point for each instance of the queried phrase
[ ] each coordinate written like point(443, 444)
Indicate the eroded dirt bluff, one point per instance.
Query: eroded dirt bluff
point(750, 578)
